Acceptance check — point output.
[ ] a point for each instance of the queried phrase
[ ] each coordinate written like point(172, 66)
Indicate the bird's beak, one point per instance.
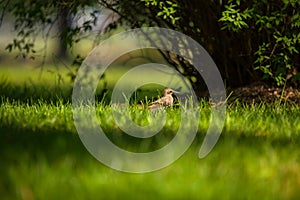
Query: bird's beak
point(176, 92)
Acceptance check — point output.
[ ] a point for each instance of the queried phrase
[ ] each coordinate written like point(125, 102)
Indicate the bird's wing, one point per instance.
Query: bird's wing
point(160, 101)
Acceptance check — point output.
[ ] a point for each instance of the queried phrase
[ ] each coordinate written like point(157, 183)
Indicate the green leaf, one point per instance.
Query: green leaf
point(160, 13)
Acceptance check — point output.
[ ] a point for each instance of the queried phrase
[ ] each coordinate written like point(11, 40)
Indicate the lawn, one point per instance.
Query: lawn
point(42, 157)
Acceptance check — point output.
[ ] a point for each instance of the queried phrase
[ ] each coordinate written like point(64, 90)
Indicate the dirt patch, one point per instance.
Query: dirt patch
point(260, 92)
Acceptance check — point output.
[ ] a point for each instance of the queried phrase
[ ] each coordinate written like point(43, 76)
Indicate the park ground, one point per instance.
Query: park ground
point(42, 157)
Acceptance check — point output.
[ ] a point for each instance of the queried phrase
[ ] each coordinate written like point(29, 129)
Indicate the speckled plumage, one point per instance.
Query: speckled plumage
point(165, 101)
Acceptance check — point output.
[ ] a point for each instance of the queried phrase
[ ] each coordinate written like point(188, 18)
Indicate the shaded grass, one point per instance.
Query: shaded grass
point(53, 84)
point(235, 169)
point(26, 85)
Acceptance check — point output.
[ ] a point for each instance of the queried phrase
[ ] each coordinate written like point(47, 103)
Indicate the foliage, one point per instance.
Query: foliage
point(275, 28)
point(35, 19)
point(248, 40)
point(256, 36)
point(167, 9)
point(234, 19)
point(277, 56)
point(269, 29)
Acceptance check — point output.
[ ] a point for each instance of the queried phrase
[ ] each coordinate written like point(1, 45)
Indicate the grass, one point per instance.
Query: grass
point(42, 156)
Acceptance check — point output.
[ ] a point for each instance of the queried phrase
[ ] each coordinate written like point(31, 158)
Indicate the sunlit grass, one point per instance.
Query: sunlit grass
point(264, 120)
point(43, 158)
point(261, 121)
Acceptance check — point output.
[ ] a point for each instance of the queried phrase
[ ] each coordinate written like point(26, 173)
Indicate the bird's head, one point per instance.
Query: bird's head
point(169, 91)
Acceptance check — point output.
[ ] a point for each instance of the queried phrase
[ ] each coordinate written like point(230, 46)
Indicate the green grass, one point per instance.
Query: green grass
point(42, 157)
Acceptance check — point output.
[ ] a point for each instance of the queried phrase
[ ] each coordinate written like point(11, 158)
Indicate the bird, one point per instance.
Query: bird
point(165, 102)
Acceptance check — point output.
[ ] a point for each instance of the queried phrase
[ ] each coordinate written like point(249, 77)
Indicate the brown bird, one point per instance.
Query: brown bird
point(165, 101)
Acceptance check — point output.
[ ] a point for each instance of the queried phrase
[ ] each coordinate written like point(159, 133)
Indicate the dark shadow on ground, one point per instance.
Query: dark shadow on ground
point(56, 144)
point(52, 146)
